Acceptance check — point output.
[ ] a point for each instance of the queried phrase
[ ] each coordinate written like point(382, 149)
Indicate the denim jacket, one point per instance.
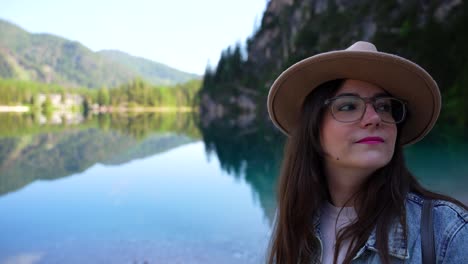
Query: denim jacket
point(450, 235)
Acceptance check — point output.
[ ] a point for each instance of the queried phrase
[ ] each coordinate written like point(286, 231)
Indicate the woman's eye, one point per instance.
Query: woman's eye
point(384, 107)
point(347, 107)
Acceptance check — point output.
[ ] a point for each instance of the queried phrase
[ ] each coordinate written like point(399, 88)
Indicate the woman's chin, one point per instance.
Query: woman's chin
point(373, 161)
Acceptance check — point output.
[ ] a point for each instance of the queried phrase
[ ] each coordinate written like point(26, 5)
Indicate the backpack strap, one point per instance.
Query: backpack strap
point(427, 233)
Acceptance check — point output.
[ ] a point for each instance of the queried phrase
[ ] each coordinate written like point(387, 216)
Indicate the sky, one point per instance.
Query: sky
point(184, 34)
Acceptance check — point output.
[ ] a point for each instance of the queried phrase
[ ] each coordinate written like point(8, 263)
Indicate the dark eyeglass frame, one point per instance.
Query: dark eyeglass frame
point(367, 100)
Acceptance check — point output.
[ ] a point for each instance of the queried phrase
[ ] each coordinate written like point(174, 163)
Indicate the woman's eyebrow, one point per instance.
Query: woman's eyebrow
point(381, 94)
point(347, 94)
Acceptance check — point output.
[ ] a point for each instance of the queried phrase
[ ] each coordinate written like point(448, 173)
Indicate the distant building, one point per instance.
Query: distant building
point(57, 101)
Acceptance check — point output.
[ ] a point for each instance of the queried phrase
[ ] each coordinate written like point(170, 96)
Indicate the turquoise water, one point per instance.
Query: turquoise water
point(156, 189)
point(173, 207)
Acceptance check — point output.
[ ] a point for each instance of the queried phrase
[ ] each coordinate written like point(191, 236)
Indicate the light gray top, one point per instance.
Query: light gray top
point(332, 220)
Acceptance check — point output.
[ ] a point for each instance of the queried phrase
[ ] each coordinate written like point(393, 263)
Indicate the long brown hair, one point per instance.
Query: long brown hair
point(303, 188)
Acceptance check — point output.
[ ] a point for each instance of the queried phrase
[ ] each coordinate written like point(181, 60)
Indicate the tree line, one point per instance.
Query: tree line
point(405, 35)
point(134, 93)
point(140, 93)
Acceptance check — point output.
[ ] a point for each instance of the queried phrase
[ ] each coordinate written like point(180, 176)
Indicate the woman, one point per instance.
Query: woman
point(345, 193)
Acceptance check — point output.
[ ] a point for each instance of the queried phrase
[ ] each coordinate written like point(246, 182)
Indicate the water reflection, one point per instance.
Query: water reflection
point(439, 161)
point(150, 209)
point(160, 187)
point(252, 149)
point(31, 151)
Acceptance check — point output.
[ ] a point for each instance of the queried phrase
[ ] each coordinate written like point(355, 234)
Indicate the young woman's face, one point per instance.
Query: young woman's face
point(368, 143)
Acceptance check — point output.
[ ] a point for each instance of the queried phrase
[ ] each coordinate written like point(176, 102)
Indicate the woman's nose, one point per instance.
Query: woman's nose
point(370, 117)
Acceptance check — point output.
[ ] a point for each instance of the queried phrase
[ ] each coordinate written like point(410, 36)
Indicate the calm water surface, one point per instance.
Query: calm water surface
point(175, 207)
point(156, 190)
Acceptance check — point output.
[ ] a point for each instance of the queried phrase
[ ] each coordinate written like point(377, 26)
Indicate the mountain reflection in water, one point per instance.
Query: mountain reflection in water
point(159, 187)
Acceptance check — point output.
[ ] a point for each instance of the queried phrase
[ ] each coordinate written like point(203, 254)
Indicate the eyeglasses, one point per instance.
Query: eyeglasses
point(349, 108)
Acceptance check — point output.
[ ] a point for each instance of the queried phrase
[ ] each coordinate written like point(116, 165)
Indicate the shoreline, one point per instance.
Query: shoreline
point(14, 109)
point(159, 109)
point(106, 109)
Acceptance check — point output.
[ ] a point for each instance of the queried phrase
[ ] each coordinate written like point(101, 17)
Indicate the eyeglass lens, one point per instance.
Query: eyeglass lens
point(352, 108)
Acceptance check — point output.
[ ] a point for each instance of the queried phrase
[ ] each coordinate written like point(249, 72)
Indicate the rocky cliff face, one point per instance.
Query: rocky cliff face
point(302, 28)
point(430, 32)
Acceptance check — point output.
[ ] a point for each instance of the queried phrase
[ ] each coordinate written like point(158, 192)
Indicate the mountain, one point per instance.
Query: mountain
point(151, 71)
point(431, 33)
point(52, 59)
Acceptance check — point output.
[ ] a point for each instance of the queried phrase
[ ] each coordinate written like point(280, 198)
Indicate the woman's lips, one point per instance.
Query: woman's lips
point(371, 140)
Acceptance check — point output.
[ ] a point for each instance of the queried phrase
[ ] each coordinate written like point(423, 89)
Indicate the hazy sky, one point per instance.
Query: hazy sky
point(182, 34)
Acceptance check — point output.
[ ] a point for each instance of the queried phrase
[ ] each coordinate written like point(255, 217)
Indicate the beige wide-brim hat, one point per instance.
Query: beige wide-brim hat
point(361, 61)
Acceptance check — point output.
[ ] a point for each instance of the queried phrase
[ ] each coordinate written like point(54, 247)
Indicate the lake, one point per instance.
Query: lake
point(158, 188)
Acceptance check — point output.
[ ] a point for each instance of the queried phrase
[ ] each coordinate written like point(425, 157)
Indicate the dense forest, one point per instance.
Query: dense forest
point(139, 92)
point(430, 33)
point(135, 93)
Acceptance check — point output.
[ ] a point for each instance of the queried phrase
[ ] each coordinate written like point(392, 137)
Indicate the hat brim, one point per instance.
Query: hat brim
point(396, 75)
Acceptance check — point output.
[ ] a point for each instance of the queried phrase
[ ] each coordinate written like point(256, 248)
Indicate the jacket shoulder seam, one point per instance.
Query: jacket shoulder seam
point(461, 212)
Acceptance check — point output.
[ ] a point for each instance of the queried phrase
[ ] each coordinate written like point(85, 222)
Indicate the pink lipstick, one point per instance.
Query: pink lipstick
point(371, 140)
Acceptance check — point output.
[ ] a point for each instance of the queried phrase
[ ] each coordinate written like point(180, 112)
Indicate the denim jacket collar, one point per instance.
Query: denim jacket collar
point(397, 244)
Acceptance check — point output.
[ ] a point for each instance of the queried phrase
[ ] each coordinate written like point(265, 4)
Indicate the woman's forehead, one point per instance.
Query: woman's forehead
point(361, 88)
